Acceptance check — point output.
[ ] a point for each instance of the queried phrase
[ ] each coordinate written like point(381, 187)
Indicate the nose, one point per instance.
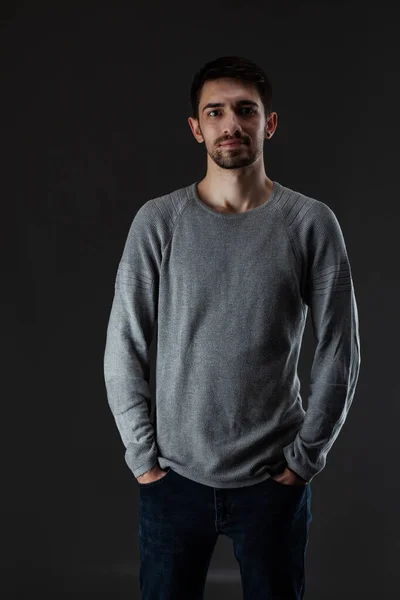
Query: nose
point(232, 124)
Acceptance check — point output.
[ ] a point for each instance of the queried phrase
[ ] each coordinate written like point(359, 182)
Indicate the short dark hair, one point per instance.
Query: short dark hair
point(238, 68)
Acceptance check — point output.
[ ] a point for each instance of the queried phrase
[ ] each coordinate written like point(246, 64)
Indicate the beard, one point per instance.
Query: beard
point(234, 158)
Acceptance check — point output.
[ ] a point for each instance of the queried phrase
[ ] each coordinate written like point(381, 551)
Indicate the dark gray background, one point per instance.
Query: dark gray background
point(95, 101)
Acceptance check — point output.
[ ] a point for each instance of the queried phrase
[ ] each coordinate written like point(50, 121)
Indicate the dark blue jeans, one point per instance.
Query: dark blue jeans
point(180, 521)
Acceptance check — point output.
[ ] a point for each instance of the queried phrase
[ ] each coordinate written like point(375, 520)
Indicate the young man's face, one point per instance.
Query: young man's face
point(241, 117)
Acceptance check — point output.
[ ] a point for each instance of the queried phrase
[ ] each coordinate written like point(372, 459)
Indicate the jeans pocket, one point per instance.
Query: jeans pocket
point(157, 481)
point(287, 485)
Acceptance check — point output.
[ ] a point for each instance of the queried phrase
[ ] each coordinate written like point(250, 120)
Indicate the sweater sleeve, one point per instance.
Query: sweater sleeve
point(327, 289)
point(129, 335)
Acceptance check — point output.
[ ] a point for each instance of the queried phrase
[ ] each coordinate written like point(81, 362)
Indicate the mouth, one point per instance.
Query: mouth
point(232, 143)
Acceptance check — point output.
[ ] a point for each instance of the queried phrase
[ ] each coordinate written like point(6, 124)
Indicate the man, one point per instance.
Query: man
point(229, 266)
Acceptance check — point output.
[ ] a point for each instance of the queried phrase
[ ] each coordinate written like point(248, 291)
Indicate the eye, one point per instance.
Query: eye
point(244, 108)
point(248, 108)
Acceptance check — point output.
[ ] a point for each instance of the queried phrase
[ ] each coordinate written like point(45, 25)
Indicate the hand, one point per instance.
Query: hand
point(287, 477)
point(153, 475)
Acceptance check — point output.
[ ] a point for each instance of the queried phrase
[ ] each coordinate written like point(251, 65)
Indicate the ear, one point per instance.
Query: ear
point(194, 126)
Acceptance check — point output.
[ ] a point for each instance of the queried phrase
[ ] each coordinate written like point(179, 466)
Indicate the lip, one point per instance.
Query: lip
point(231, 143)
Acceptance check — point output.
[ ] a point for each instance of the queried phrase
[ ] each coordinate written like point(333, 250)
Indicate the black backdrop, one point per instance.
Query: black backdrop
point(95, 100)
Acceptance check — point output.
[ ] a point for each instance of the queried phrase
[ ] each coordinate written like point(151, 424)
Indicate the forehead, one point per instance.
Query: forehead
point(227, 89)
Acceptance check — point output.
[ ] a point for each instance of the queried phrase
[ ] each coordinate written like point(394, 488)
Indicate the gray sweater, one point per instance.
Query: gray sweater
point(230, 295)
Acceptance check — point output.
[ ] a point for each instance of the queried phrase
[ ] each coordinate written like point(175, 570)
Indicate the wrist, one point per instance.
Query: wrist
point(299, 476)
point(147, 472)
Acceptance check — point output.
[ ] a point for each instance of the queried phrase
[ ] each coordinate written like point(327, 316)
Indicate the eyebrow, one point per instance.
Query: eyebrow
point(239, 103)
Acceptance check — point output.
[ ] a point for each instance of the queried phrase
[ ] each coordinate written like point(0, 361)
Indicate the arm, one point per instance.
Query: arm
point(129, 334)
point(327, 289)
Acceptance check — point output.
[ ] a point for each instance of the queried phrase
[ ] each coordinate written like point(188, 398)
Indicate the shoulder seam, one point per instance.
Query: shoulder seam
point(290, 235)
point(173, 221)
